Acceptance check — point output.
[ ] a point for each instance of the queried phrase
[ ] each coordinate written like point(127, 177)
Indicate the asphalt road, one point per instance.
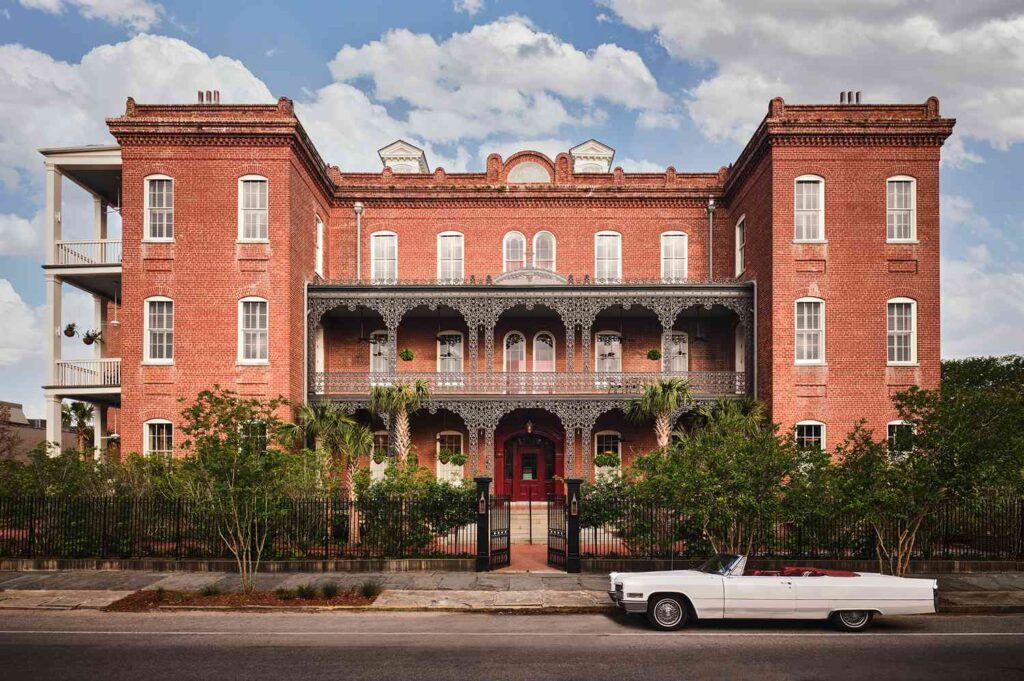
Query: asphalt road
point(428, 646)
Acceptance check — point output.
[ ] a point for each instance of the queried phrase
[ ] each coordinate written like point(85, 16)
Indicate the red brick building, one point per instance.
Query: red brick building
point(537, 297)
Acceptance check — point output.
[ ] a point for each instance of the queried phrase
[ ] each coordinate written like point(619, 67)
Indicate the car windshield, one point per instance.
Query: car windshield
point(719, 564)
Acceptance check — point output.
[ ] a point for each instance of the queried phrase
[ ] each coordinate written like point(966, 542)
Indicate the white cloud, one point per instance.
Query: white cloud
point(970, 55)
point(982, 311)
point(19, 236)
point(550, 147)
point(136, 15)
point(960, 216)
point(639, 165)
point(23, 327)
point(502, 77)
point(603, 18)
point(470, 7)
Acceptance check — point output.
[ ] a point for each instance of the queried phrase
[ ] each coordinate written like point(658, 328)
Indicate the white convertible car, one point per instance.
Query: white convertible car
point(719, 589)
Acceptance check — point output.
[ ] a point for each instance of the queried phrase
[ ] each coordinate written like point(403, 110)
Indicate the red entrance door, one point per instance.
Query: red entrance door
point(530, 466)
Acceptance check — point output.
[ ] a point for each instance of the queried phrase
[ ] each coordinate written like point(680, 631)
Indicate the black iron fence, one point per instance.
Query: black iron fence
point(300, 529)
point(992, 529)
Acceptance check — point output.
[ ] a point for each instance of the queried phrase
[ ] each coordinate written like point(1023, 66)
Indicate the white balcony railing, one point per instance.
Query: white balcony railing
point(99, 253)
point(89, 373)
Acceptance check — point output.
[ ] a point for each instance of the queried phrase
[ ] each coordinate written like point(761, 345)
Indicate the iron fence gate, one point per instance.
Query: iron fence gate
point(556, 531)
point(499, 521)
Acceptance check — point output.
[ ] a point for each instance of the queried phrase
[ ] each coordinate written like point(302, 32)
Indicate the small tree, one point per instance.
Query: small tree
point(78, 417)
point(397, 402)
point(659, 401)
point(235, 476)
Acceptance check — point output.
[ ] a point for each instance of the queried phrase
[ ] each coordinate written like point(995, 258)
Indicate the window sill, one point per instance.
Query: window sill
point(252, 241)
point(903, 364)
point(810, 364)
point(157, 362)
point(150, 240)
point(810, 241)
point(902, 242)
point(253, 362)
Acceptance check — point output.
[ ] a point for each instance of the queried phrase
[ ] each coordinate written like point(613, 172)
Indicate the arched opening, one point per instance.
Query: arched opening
point(529, 457)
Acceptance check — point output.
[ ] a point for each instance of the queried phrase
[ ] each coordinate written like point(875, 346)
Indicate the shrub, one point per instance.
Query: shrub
point(285, 594)
point(371, 588)
point(306, 592)
point(330, 589)
point(210, 589)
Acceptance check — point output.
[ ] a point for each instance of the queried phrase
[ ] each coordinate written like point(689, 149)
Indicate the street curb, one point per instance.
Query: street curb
point(506, 609)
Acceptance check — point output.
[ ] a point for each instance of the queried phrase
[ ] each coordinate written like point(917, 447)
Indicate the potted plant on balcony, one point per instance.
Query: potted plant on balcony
point(607, 459)
point(70, 330)
point(406, 355)
point(654, 354)
point(92, 336)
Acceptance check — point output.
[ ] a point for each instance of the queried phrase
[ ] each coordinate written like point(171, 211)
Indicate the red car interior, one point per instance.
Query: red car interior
point(802, 572)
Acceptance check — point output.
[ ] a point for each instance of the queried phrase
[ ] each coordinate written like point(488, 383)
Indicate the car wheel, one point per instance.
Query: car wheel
point(666, 613)
point(852, 620)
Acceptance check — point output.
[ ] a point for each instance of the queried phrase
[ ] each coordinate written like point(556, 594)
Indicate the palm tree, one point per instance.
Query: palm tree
point(658, 402)
point(397, 401)
point(77, 416)
point(356, 442)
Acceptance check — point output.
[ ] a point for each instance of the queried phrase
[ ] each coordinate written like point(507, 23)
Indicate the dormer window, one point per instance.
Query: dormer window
point(404, 158)
point(591, 157)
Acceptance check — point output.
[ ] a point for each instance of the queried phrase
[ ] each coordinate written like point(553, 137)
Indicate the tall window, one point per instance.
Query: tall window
point(159, 213)
point(544, 352)
point(810, 331)
point(384, 257)
point(379, 352)
point(159, 331)
point(901, 208)
point(901, 324)
point(544, 251)
point(380, 451)
point(608, 256)
point(515, 352)
point(607, 442)
point(451, 443)
point(810, 434)
point(252, 208)
point(741, 245)
point(678, 352)
point(513, 252)
point(900, 436)
point(318, 261)
point(673, 256)
point(253, 335)
point(449, 352)
point(809, 209)
point(158, 437)
point(608, 352)
point(449, 256)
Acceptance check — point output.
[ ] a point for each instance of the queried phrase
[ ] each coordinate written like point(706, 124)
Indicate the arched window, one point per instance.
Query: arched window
point(379, 349)
point(608, 352)
point(449, 352)
point(544, 251)
point(607, 442)
point(159, 208)
point(809, 334)
point(529, 172)
point(451, 441)
point(741, 245)
point(253, 222)
point(544, 352)
point(901, 330)
point(678, 352)
point(318, 255)
point(901, 208)
point(608, 257)
point(158, 346)
point(515, 352)
point(513, 251)
point(253, 331)
point(810, 434)
point(384, 257)
point(450, 257)
point(157, 437)
point(809, 208)
point(673, 256)
point(900, 436)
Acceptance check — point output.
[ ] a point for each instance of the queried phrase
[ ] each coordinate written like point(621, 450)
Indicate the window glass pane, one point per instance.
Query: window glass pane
point(385, 257)
point(609, 352)
point(673, 257)
point(161, 329)
point(807, 216)
point(159, 438)
point(809, 435)
point(161, 209)
point(899, 213)
point(544, 257)
point(449, 352)
point(607, 257)
point(254, 330)
point(515, 252)
point(900, 437)
point(379, 352)
point(449, 255)
point(515, 352)
point(900, 324)
point(677, 352)
point(254, 209)
point(809, 331)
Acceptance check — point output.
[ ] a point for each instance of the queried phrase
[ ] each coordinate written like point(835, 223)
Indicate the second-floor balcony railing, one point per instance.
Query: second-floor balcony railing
point(89, 373)
point(702, 383)
point(98, 253)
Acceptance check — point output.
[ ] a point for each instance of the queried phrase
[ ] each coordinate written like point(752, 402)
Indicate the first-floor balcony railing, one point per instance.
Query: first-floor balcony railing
point(89, 373)
point(99, 253)
point(702, 383)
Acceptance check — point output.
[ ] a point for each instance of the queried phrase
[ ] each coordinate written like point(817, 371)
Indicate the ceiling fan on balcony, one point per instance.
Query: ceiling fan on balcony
point(372, 339)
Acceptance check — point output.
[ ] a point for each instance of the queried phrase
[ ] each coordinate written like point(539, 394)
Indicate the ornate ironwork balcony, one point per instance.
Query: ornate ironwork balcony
point(703, 384)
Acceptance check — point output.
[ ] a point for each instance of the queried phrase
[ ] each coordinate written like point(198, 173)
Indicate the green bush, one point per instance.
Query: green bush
point(330, 589)
point(285, 594)
point(210, 589)
point(371, 588)
point(306, 592)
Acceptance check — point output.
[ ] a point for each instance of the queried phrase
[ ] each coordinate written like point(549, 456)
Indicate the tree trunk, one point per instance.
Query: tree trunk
point(402, 437)
point(662, 429)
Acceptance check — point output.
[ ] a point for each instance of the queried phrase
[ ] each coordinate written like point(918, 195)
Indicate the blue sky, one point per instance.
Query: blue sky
point(665, 83)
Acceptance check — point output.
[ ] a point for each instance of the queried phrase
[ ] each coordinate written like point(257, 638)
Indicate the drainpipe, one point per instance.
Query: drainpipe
point(711, 234)
point(358, 208)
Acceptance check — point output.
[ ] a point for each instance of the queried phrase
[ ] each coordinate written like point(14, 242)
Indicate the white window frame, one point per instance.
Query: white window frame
point(147, 224)
point(504, 351)
point(668, 347)
point(241, 332)
point(373, 257)
point(448, 472)
point(913, 209)
point(812, 422)
point(387, 364)
point(889, 437)
point(823, 344)
point(821, 208)
point(462, 349)
point(147, 358)
point(241, 214)
point(504, 250)
point(554, 349)
point(618, 262)
point(913, 331)
point(741, 244)
point(146, 449)
point(554, 250)
point(607, 470)
point(686, 256)
point(318, 258)
point(597, 335)
point(377, 469)
point(462, 259)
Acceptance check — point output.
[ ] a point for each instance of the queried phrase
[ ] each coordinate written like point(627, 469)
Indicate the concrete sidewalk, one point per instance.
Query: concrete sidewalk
point(72, 589)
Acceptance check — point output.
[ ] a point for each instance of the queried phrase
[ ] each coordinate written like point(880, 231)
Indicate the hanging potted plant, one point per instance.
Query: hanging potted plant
point(70, 330)
point(379, 456)
point(457, 459)
point(654, 354)
point(444, 455)
point(406, 355)
point(92, 336)
point(606, 460)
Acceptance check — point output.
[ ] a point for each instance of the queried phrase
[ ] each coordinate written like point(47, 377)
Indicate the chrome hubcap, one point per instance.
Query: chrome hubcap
point(668, 613)
point(854, 619)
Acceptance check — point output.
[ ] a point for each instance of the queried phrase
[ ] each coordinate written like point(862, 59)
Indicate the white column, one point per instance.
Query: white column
point(99, 428)
point(53, 210)
point(100, 223)
point(53, 327)
point(54, 430)
point(100, 217)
